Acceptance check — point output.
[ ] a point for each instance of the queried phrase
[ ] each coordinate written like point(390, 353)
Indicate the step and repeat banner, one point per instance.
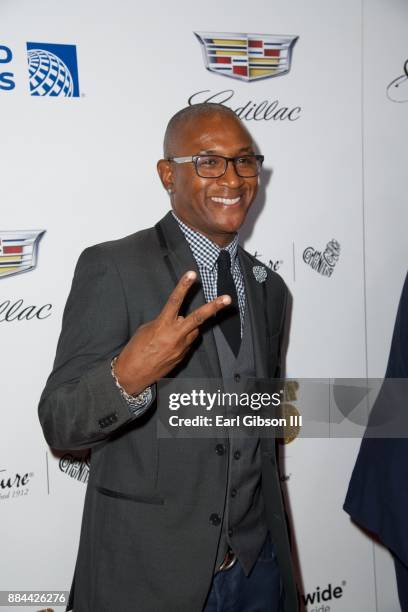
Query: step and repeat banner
point(86, 90)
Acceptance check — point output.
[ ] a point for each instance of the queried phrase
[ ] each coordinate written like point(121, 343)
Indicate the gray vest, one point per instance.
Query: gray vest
point(244, 526)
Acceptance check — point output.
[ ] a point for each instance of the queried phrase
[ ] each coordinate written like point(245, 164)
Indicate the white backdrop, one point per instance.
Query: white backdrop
point(83, 169)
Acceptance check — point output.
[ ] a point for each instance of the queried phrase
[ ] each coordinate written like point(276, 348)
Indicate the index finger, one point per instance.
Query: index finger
point(201, 314)
point(171, 308)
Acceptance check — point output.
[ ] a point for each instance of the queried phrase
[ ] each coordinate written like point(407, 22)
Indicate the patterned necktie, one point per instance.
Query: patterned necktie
point(228, 318)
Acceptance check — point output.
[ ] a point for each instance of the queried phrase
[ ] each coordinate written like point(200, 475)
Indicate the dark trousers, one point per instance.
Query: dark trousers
point(401, 571)
point(261, 591)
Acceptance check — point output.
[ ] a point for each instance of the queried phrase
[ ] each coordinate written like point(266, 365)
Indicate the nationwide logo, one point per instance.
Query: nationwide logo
point(323, 595)
point(53, 70)
point(247, 57)
point(323, 262)
point(18, 251)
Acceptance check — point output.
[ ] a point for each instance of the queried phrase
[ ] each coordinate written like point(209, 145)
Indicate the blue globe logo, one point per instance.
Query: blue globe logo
point(49, 75)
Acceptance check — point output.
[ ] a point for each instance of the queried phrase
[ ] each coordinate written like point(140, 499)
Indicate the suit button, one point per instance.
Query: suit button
point(237, 455)
point(215, 519)
point(230, 532)
point(220, 449)
point(233, 492)
point(237, 377)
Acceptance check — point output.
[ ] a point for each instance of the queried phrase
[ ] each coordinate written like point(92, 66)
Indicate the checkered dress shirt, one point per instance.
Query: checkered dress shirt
point(206, 255)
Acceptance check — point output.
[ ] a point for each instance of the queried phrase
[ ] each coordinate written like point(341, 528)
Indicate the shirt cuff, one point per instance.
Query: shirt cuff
point(142, 401)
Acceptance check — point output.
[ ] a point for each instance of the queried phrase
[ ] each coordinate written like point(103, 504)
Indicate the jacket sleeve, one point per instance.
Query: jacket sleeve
point(80, 405)
point(398, 360)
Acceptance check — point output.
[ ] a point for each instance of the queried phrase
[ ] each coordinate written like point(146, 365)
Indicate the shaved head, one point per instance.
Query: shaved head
point(187, 117)
point(216, 206)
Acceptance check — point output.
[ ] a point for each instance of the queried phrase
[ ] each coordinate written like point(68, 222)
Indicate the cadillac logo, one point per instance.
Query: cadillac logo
point(18, 251)
point(247, 57)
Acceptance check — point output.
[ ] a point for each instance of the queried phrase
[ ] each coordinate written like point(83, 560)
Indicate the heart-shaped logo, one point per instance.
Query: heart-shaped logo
point(323, 262)
point(260, 273)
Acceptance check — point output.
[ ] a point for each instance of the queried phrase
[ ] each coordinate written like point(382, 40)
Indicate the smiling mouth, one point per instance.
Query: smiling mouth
point(226, 201)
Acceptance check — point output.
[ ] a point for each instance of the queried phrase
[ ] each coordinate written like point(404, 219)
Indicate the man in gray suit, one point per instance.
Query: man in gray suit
point(175, 525)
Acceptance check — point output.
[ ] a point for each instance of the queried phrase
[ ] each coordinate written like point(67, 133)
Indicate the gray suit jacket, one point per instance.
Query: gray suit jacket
point(147, 543)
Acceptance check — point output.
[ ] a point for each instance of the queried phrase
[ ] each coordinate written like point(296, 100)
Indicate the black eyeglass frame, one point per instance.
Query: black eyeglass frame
point(194, 159)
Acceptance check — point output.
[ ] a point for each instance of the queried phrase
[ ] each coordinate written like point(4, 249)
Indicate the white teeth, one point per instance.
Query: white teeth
point(227, 201)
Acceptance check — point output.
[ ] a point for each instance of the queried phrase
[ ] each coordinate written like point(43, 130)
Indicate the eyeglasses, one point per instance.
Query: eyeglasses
point(215, 166)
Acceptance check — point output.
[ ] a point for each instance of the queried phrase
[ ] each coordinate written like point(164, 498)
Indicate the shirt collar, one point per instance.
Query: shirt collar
point(205, 251)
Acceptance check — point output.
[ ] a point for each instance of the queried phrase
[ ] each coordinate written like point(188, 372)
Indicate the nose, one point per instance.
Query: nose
point(231, 178)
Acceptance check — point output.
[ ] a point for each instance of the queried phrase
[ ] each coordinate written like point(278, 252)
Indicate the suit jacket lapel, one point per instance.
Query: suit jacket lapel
point(178, 259)
point(257, 310)
point(256, 303)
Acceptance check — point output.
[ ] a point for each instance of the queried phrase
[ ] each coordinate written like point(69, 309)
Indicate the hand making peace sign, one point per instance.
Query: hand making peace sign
point(158, 346)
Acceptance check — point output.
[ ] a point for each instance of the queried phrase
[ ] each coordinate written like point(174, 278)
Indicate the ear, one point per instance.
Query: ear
point(165, 170)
